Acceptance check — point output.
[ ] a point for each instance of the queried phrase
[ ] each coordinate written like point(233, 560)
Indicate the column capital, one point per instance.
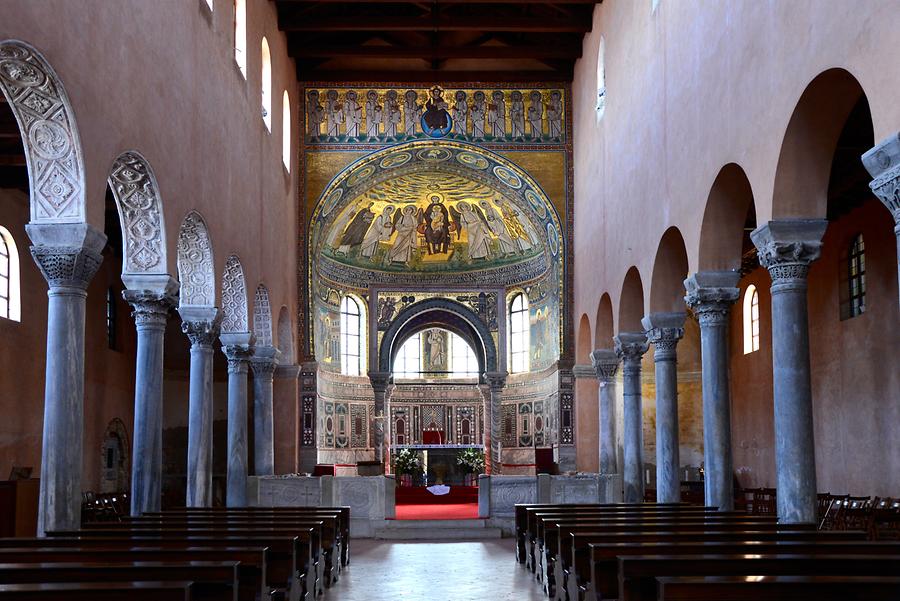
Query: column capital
point(496, 380)
point(663, 331)
point(606, 364)
point(149, 308)
point(786, 248)
point(710, 295)
point(630, 347)
point(200, 324)
point(264, 360)
point(236, 351)
point(380, 380)
point(883, 164)
point(68, 254)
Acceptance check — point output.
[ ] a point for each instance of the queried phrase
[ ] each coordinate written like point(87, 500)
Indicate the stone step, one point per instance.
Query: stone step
point(425, 533)
point(433, 524)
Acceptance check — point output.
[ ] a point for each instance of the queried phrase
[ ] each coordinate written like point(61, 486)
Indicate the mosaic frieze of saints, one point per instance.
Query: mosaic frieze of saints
point(389, 115)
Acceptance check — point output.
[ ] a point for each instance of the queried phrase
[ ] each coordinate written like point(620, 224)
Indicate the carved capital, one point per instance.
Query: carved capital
point(710, 295)
point(68, 255)
point(786, 248)
point(380, 381)
point(663, 331)
point(630, 347)
point(606, 364)
point(150, 309)
point(263, 367)
point(496, 380)
point(202, 332)
point(883, 164)
point(238, 356)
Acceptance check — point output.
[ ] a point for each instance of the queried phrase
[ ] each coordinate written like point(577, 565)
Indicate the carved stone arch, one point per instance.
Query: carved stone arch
point(262, 317)
point(49, 134)
point(138, 201)
point(234, 297)
point(447, 314)
point(285, 336)
point(196, 269)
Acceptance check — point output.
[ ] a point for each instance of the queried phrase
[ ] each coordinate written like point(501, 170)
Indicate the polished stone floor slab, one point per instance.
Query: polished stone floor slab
point(430, 571)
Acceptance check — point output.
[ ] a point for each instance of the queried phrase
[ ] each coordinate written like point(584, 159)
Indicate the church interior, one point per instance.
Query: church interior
point(567, 299)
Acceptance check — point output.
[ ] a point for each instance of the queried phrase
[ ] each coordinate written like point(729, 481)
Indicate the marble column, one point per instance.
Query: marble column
point(710, 294)
point(606, 365)
point(630, 347)
point(263, 364)
point(201, 324)
point(68, 256)
point(380, 383)
point(664, 330)
point(495, 381)
point(883, 164)
point(236, 347)
point(485, 391)
point(786, 248)
point(150, 309)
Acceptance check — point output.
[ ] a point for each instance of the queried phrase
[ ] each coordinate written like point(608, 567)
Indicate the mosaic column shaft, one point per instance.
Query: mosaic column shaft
point(236, 482)
point(201, 324)
point(606, 364)
point(883, 164)
point(786, 249)
point(711, 294)
point(68, 257)
point(630, 347)
point(263, 363)
point(150, 311)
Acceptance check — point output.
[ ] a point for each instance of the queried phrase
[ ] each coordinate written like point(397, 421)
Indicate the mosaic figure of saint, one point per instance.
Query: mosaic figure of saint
point(536, 115)
point(406, 223)
point(478, 112)
point(496, 115)
point(352, 114)
point(315, 115)
point(380, 231)
point(436, 349)
point(437, 226)
point(356, 230)
point(514, 226)
point(554, 115)
point(460, 113)
point(435, 114)
point(477, 230)
point(412, 111)
point(391, 114)
point(497, 225)
point(373, 114)
point(334, 114)
point(517, 115)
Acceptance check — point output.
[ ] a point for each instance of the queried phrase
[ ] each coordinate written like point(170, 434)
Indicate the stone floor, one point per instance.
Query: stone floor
point(429, 571)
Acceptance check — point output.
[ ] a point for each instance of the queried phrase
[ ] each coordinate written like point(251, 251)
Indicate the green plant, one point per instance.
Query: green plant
point(472, 460)
point(406, 461)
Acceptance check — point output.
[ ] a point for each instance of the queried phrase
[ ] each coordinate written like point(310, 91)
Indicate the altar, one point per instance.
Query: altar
point(439, 463)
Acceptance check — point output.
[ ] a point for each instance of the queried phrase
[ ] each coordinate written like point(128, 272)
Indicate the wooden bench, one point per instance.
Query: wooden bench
point(778, 588)
point(213, 581)
point(99, 591)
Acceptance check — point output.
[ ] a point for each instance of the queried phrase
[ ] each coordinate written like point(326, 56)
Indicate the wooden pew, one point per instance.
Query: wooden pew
point(603, 582)
point(99, 591)
point(778, 588)
point(252, 561)
point(213, 581)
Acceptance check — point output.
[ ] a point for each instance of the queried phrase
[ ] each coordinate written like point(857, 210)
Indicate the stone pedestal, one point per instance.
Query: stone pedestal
point(606, 364)
point(496, 381)
point(68, 256)
point(786, 248)
point(151, 311)
point(236, 347)
point(711, 294)
point(883, 164)
point(201, 325)
point(263, 363)
point(663, 331)
point(630, 347)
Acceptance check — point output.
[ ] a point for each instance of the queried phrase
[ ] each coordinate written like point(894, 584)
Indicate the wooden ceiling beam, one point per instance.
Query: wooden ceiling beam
point(520, 24)
point(432, 75)
point(438, 2)
point(301, 50)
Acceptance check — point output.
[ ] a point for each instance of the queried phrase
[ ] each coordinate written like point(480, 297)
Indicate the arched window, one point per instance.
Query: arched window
point(856, 276)
point(266, 85)
point(751, 319)
point(518, 334)
point(352, 337)
point(463, 362)
point(286, 131)
point(240, 35)
point(408, 362)
point(10, 301)
point(601, 79)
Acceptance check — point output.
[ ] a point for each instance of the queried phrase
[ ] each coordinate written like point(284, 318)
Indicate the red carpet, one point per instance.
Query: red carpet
point(445, 511)
point(419, 495)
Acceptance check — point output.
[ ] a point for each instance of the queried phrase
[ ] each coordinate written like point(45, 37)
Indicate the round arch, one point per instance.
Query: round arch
point(631, 302)
point(195, 263)
point(670, 268)
point(728, 208)
point(604, 328)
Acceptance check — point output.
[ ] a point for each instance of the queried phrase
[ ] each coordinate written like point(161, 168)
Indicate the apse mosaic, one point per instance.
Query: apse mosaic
point(341, 115)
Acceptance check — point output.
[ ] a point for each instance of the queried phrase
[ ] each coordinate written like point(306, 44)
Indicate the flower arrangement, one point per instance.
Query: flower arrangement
point(471, 460)
point(406, 461)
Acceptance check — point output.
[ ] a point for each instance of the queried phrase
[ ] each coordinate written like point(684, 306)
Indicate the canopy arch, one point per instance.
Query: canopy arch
point(196, 269)
point(262, 317)
point(234, 298)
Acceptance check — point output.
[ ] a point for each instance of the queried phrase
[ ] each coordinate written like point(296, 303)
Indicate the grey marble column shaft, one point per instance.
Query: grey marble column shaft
point(380, 383)
point(496, 382)
point(68, 256)
point(201, 324)
point(630, 347)
point(664, 330)
point(883, 164)
point(606, 365)
point(486, 428)
point(150, 312)
point(711, 294)
point(786, 248)
point(236, 483)
point(263, 364)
